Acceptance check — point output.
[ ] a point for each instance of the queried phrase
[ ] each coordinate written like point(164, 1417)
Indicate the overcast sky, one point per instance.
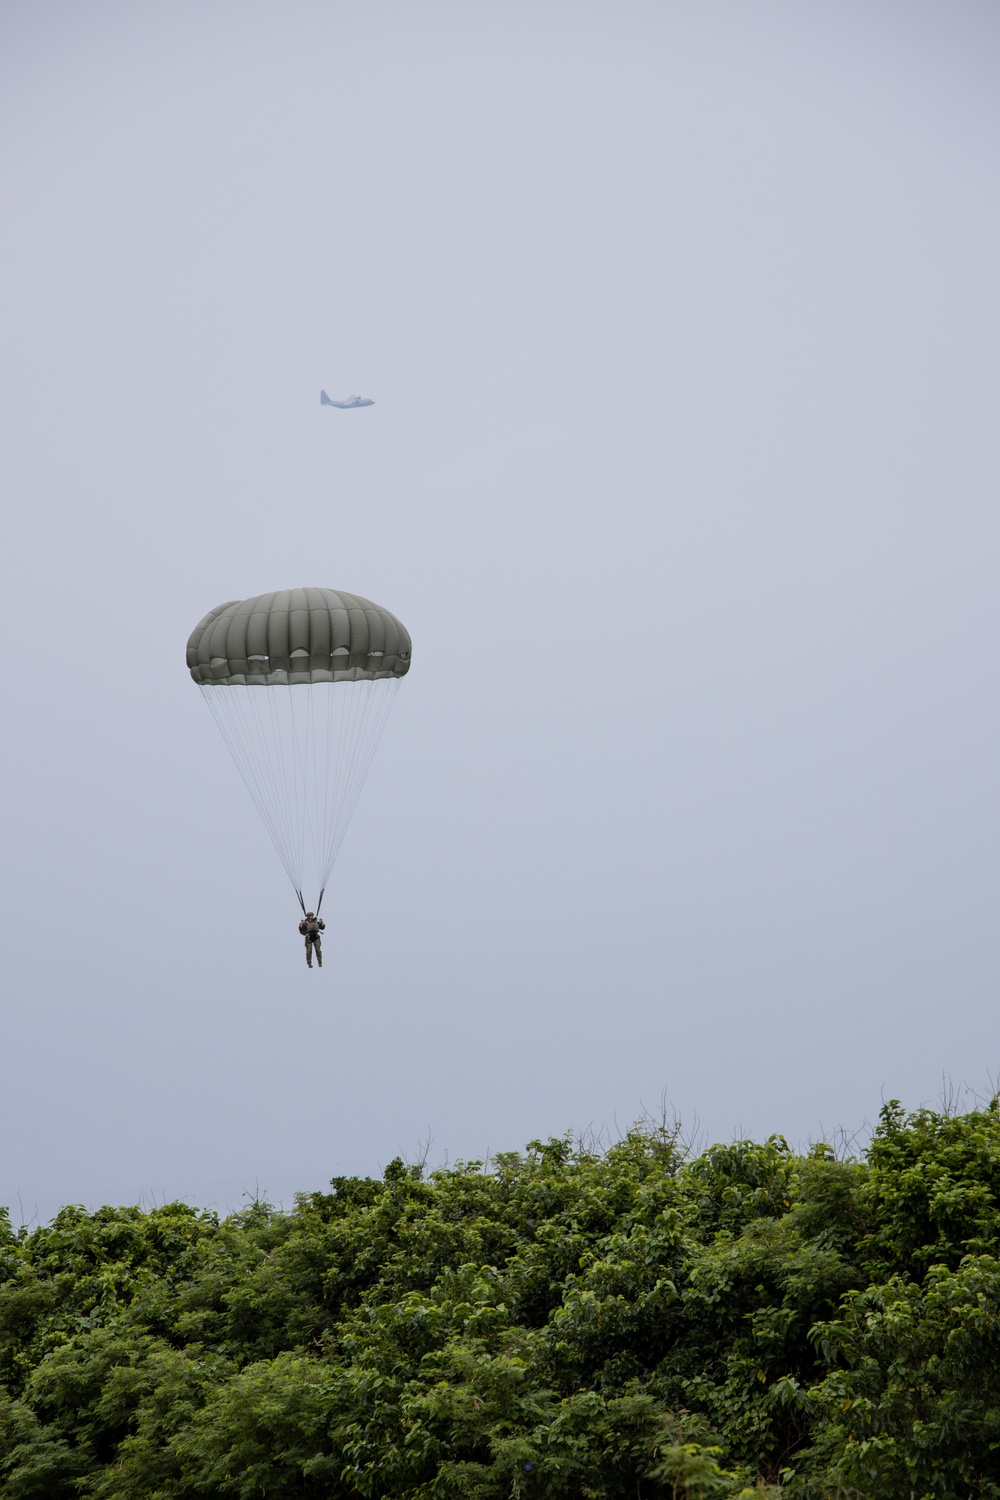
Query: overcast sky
point(681, 322)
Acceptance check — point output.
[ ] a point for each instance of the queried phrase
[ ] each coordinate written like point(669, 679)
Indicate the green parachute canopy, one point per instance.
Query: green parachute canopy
point(301, 682)
point(298, 636)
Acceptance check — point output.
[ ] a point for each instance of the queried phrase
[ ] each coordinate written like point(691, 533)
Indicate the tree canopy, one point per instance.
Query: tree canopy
point(640, 1321)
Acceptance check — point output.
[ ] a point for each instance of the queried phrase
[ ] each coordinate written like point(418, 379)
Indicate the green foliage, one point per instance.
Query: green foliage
point(933, 1189)
point(916, 1406)
point(620, 1325)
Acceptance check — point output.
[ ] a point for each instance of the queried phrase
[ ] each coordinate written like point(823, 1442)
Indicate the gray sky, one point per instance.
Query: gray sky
point(682, 325)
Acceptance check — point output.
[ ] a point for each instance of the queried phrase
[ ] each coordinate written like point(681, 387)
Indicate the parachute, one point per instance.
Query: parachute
point(301, 683)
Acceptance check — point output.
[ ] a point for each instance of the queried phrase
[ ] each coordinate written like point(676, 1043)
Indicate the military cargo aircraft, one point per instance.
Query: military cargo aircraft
point(324, 400)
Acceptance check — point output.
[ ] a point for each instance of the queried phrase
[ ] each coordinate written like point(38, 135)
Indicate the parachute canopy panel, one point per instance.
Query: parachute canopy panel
point(298, 636)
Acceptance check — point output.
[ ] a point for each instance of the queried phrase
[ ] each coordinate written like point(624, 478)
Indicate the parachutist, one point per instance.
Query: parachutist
point(310, 927)
point(300, 682)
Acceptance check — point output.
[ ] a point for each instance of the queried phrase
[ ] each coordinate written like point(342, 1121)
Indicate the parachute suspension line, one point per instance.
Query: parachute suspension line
point(285, 777)
point(319, 903)
point(328, 778)
point(303, 904)
point(362, 753)
point(354, 703)
point(322, 767)
point(366, 706)
point(281, 705)
point(278, 761)
point(268, 754)
point(315, 743)
point(304, 763)
point(257, 758)
point(254, 759)
point(354, 767)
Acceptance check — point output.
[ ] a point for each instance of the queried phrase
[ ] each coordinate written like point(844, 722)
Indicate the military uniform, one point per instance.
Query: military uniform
point(310, 928)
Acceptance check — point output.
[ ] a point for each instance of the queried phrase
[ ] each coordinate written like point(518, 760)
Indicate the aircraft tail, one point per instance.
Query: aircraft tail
point(324, 399)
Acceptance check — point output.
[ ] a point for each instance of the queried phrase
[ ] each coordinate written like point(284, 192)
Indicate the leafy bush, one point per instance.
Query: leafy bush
point(630, 1324)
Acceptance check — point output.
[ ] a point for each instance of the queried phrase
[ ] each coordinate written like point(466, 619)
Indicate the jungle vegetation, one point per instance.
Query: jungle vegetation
point(629, 1323)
